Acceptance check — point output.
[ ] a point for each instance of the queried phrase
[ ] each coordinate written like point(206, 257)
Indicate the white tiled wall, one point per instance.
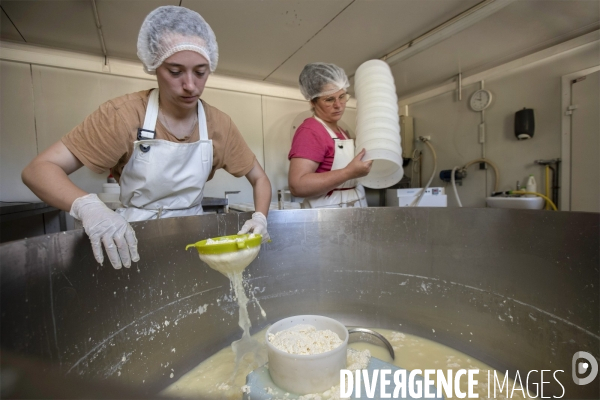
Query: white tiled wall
point(18, 142)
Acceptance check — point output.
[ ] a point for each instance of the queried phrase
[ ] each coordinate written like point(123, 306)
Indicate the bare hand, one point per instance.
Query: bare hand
point(357, 167)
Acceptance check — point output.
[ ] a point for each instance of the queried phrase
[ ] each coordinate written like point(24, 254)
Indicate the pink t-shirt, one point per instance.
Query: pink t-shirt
point(312, 141)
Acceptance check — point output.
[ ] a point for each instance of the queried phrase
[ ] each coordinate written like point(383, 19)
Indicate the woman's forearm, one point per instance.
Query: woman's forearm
point(262, 195)
point(261, 188)
point(316, 184)
point(51, 184)
point(47, 177)
point(306, 182)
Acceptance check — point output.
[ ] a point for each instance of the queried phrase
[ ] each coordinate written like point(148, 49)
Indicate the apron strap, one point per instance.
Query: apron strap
point(202, 126)
point(328, 129)
point(151, 111)
point(152, 116)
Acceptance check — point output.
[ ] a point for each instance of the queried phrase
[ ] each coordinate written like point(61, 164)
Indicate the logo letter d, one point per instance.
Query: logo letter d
point(592, 363)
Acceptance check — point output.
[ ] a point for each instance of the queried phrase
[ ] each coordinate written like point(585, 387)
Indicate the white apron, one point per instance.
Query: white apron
point(349, 193)
point(165, 179)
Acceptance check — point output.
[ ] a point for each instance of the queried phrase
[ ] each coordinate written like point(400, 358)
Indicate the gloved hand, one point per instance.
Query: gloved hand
point(258, 224)
point(103, 224)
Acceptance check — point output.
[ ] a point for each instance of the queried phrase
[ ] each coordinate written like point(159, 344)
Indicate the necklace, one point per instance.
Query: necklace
point(190, 130)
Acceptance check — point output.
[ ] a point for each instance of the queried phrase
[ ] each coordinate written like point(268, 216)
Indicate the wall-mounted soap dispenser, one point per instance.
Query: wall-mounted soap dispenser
point(524, 124)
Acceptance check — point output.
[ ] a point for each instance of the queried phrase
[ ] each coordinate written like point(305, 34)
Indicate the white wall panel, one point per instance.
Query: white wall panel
point(17, 130)
point(63, 98)
point(278, 116)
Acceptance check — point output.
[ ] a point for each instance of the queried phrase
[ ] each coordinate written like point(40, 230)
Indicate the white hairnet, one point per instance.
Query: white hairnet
point(170, 29)
point(315, 78)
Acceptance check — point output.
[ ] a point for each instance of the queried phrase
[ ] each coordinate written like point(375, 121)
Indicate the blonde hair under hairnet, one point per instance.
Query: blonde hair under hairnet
point(170, 29)
point(316, 76)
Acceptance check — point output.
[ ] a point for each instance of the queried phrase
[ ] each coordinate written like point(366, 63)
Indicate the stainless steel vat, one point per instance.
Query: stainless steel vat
point(517, 289)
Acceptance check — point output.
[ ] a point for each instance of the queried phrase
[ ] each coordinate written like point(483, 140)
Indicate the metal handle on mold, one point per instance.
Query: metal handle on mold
point(369, 332)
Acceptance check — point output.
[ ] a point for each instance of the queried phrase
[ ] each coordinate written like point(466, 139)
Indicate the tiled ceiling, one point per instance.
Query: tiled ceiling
point(271, 40)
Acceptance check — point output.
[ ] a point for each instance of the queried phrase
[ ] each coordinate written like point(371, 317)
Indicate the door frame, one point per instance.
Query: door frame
point(565, 152)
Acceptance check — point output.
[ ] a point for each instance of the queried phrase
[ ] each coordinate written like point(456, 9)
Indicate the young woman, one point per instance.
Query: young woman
point(162, 145)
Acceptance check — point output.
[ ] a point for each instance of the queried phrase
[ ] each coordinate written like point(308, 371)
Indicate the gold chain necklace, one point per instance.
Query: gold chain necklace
point(191, 130)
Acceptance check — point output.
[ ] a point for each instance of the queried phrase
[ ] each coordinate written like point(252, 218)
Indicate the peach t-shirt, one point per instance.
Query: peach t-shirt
point(104, 140)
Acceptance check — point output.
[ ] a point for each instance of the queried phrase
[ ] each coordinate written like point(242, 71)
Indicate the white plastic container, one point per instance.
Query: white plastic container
point(111, 188)
point(111, 193)
point(383, 155)
point(379, 139)
point(522, 203)
point(531, 186)
point(384, 181)
point(378, 115)
point(371, 67)
point(304, 374)
point(433, 197)
point(374, 94)
point(377, 124)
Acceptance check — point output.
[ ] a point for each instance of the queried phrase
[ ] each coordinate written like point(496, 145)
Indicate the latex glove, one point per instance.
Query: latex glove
point(258, 224)
point(104, 225)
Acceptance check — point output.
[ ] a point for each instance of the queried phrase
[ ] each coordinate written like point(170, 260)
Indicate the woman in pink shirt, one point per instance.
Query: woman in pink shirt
point(323, 165)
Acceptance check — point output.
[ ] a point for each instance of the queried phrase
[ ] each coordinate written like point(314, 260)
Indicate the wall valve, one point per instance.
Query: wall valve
point(459, 174)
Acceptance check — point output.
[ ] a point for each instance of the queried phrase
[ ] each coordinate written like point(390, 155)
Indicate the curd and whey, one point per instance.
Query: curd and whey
point(211, 377)
point(304, 339)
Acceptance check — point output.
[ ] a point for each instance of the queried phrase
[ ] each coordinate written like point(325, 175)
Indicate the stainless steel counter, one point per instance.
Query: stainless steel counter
point(9, 210)
point(214, 204)
point(19, 220)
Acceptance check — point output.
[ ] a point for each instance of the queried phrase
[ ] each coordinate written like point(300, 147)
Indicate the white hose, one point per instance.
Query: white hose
point(415, 157)
point(416, 202)
point(454, 186)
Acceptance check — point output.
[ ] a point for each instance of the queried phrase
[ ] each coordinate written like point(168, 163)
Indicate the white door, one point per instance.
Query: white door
point(585, 144)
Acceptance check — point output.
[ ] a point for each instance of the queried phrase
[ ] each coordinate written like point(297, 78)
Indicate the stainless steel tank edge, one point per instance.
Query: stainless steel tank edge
point(517, 289)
